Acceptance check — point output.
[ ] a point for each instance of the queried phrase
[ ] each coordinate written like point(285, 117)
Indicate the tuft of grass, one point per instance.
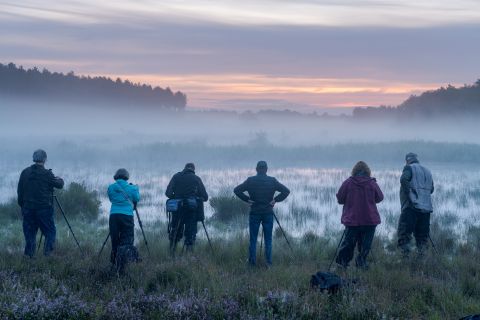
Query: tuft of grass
point(228, 208)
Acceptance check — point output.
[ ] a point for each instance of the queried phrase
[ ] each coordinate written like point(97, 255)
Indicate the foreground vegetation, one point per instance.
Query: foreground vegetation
point(219, 285)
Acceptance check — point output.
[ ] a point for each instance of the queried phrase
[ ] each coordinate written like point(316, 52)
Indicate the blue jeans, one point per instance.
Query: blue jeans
point(33, 219)
point(266, 219)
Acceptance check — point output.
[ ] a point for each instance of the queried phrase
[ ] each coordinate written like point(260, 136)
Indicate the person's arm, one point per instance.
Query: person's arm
point(55, 182)
point(110, 192)
point(202, 192)
point(20, 190)
point(406, 177)
point(342, 193)
point(135, 194)
point(284, 192)
point(240, 191)
point(378, 193)
point(433, 187)
point(169, 192)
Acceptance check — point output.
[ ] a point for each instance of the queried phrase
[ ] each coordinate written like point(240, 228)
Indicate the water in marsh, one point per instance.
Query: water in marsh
point(311, 207)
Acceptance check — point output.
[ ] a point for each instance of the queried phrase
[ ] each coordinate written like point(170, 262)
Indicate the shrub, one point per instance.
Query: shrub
point(227, 207)
point(78, 201)
point(10, 210)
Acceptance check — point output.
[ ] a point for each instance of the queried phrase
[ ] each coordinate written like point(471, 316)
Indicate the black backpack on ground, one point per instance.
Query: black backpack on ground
point(326, 281)
point(472, 317)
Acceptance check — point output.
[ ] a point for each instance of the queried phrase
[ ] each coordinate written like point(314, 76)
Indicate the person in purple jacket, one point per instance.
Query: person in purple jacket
point(359, 195)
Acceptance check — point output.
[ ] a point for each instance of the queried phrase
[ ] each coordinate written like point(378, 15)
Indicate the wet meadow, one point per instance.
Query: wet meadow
point(78, 284)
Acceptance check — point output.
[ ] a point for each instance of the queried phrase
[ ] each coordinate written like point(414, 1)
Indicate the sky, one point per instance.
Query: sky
point(301, 55)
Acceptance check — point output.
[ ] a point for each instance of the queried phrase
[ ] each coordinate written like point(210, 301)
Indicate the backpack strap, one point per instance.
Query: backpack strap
point(125, 194)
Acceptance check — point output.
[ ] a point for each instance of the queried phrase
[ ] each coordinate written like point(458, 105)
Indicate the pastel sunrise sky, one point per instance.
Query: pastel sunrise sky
point(301, 54)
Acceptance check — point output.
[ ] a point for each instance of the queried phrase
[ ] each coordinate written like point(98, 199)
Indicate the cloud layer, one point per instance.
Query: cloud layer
point(320, 53)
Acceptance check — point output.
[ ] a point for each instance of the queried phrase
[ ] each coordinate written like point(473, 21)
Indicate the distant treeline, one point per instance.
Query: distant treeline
point(443, 102)
point(53, 87)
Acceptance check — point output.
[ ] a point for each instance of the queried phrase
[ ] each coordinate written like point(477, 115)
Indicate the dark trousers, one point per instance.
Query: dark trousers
point(416, 222)
point(184, 222)
point(266, 219)
point(360, 236)
point(33, 219)
point(121, 232)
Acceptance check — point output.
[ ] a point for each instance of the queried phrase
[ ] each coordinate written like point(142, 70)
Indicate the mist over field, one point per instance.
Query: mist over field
point(309, 86)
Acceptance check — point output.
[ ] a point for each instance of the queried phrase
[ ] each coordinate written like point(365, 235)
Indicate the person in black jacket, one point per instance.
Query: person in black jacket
point(261, 197)
point(35, 197)
point(189, 188)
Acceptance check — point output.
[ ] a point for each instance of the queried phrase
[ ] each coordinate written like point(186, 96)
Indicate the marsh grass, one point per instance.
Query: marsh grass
point(219, 285)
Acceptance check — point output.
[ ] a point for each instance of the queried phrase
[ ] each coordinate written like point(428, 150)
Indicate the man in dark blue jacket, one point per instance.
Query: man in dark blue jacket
point(261, 197)
point(35, 197)
point(189, 188)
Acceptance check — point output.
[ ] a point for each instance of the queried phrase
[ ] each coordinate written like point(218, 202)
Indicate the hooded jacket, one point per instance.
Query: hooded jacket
point(35, 187)
point(359, 196)
point(186, 184)
point(118, 192)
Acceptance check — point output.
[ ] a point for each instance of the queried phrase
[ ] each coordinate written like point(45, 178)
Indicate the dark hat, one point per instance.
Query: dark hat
point(39, 156)
point(121, 173)
point(262, 165)
point(411, 157)
point(190, 166)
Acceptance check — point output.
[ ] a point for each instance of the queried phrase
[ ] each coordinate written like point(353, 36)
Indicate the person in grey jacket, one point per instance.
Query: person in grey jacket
point(416, 188)
point(261, 197)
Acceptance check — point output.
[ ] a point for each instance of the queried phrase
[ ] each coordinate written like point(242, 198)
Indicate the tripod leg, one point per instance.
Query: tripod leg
point(103, 246)
point(173, 241)
point(433, 244)
point(336, 251)
point(68, 223)
point(283, 232)
point(143, 232)
point(261, 241)
point(40, 241)
point(208, 237)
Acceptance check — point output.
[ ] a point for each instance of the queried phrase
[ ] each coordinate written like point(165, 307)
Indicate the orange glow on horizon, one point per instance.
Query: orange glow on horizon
point(315, 91)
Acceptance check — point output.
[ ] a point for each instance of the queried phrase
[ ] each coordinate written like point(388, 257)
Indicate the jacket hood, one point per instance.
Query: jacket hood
point(184, 171)
point(361, 180)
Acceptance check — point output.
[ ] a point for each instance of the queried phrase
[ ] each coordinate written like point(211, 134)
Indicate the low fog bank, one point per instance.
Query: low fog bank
point(286, 129)
point(113, 152)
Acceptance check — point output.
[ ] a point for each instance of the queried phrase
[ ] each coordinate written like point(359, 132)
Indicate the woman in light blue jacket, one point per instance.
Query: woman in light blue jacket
point(124, 198)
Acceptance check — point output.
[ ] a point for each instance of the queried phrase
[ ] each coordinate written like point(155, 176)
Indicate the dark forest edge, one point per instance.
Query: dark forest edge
point(54, 87)
point(41, 87)
point(447, 101)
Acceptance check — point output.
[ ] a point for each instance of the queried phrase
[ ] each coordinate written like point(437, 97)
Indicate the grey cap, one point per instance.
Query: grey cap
point(411, 157)
point(262, 165)
point(39, 156)
point(121, 173)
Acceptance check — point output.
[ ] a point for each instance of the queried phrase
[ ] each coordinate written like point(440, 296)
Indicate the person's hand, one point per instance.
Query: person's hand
point(272, 203)
point(134, 205)
point(250, 202)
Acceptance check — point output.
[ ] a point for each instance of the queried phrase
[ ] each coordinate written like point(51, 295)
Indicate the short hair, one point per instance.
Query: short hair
point(39, 156)
point(121, 173)
point(361, 166)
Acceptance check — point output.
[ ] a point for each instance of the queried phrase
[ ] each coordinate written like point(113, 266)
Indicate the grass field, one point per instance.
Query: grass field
point(219, 285)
